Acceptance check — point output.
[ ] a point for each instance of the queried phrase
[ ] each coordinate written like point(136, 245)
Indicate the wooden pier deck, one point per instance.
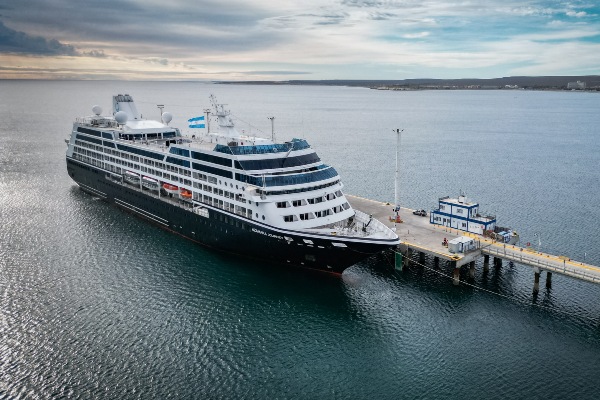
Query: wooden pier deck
point(417, 234)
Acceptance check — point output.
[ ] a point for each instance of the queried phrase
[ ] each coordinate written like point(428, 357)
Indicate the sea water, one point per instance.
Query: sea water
point(96, 303)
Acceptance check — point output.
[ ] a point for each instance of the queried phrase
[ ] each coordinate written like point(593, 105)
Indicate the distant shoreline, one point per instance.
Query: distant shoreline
point(587, 83)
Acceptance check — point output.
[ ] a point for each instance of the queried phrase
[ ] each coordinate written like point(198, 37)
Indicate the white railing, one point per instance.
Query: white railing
point(372, 225)
point(567, 268)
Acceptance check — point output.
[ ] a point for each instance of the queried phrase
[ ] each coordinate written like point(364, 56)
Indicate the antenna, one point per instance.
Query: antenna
point(272, 128)
point(160, 107)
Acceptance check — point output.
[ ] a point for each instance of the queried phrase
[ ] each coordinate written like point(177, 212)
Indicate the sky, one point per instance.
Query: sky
point(302, 39)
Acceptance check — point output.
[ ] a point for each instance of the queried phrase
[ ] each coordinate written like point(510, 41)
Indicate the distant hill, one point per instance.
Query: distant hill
point(528, 82)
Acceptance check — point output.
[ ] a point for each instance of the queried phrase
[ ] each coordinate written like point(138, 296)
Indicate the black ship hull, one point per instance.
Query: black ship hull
point(229, 232)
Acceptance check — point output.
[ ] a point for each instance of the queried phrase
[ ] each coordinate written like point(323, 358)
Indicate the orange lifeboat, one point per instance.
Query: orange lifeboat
point(186, 194)
point(170, 188)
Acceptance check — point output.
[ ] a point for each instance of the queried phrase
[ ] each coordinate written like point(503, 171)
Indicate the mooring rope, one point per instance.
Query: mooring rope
point(510, 298)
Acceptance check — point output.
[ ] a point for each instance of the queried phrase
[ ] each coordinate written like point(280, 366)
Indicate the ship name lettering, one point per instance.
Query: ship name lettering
point(267, 234)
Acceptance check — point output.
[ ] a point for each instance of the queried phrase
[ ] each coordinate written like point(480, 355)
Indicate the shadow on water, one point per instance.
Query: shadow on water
point(508, 284)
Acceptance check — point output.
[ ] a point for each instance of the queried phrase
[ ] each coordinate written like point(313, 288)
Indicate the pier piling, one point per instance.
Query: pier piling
point(422, 257)
point(548, 279)
point(455, 273)
point(486, 263)
point(472, 269)
point(497, 262)
point(456, 277)
point(536, 280)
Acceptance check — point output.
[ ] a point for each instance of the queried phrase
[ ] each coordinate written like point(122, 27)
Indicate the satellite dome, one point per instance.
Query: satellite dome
point(97, 110)
point(121, 117)
point(167, 117)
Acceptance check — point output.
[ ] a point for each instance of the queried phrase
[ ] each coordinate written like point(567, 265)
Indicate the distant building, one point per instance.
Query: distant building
point(576, 85)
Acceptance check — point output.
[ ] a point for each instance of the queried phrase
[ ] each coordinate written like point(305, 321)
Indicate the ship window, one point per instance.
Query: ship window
point(88, 131)
point(173, 160)
point(282, 204)
point(274, 163)
point(288, 218)
point(212, 170)
point(226, 162)
point(179, 152)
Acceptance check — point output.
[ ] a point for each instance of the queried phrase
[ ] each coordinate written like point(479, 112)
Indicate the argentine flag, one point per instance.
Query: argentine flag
point(197, 122)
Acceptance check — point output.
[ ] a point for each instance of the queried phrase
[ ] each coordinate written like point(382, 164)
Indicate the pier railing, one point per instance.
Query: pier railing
point(565, 267)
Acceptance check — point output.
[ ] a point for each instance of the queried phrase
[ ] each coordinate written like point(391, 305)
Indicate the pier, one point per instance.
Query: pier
point(417, 235)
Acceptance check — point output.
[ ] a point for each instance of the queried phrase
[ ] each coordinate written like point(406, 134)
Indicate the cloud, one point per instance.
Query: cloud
point(576, 14)
point(418, 35)
point(262, 39)
point(94, 53)
point(277, 73)
point(12, 41)
point(160, 61)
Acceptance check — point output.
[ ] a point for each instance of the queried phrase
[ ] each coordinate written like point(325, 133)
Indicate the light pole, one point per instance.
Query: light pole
point(396, 190)
point(272, 128)
point(539, 241)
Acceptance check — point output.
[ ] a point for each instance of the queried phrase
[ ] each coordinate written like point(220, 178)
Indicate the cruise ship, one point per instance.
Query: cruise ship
point(226, 190)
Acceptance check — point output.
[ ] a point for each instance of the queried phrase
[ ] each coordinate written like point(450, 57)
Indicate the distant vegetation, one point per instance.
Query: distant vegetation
point(590, 83)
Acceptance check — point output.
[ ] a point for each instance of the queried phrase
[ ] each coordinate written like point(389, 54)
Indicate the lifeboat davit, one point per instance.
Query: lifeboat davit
point(170, 188)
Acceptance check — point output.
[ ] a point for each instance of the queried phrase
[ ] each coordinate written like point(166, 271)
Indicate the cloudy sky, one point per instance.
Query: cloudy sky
point(300, 39)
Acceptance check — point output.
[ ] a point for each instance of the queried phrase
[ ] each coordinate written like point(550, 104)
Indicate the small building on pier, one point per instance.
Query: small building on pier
point(461, 214)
